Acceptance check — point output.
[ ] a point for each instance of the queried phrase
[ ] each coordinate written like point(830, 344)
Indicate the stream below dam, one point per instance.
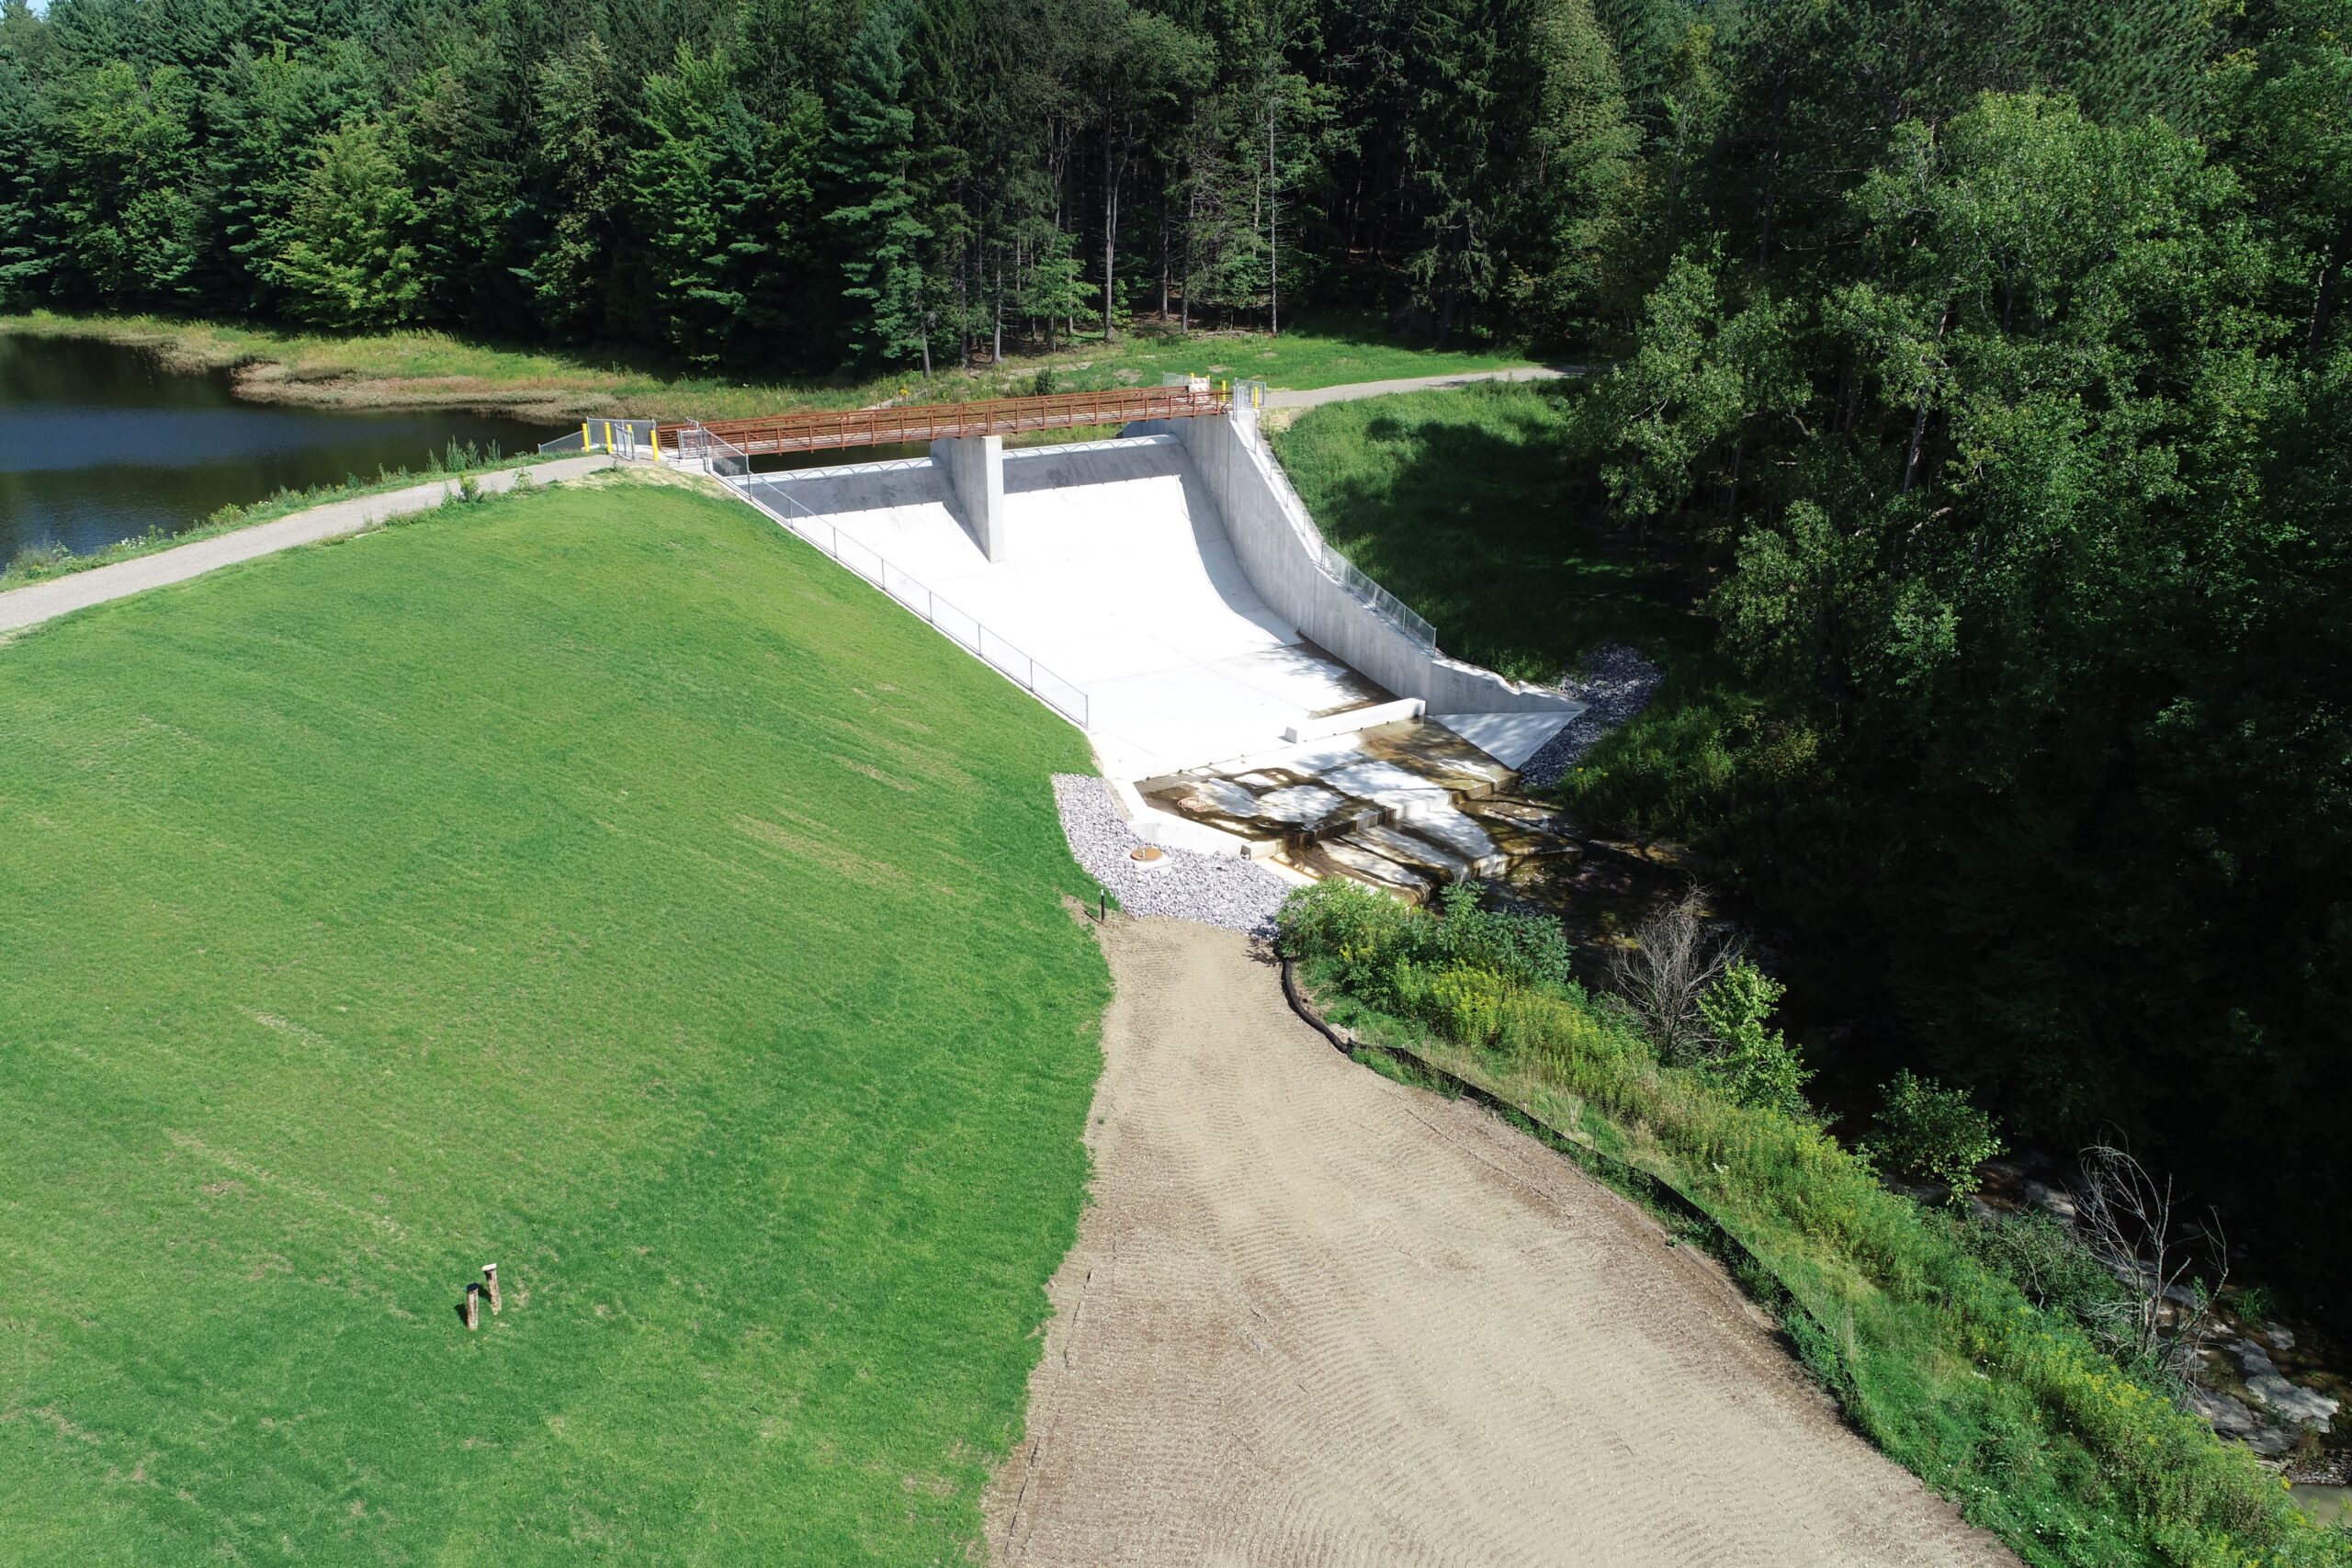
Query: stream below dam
point(100, 442)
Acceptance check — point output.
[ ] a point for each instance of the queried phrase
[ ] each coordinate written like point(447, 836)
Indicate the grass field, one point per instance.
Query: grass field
point(434, 368)
point(1471, 506)
point(598, 882)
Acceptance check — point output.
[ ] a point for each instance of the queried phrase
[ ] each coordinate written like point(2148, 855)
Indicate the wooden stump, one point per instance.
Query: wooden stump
point(489, 1284)
point(473, 1307)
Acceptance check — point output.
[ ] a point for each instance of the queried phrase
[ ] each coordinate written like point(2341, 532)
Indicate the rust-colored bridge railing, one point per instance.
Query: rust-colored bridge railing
point(931, 421)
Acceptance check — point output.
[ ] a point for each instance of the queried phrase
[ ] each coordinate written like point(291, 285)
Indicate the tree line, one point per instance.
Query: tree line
point(808, 182)
point(1998, 381)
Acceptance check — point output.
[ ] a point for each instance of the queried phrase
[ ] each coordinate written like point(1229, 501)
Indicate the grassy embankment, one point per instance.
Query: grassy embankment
point(1480, 508)
point(434, 369)
point(597, 882)
point(2008, 1409)
point(1467, 505)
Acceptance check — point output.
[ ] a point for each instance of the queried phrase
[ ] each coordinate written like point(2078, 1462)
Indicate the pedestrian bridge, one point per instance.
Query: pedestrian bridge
point(948, 421)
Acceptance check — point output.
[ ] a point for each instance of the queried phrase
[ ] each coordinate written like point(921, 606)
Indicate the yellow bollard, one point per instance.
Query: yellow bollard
point(653, 433)
point(586, 445)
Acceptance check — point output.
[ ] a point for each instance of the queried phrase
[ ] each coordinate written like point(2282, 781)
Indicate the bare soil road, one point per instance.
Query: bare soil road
point(1315, 1318)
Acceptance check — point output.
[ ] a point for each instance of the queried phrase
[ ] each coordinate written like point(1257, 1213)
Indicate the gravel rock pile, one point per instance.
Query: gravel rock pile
point(1618, 683)
point(1217, 890)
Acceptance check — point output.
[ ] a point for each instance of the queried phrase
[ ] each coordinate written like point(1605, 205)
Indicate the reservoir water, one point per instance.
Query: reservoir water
point(100, 442)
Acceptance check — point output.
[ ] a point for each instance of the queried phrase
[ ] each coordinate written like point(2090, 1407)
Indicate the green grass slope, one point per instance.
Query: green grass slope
point(599, 883)
point(1469, 504)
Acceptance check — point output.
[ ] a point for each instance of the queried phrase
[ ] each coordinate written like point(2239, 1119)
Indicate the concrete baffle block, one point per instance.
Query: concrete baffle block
point(974, 468)
point(490, 1287)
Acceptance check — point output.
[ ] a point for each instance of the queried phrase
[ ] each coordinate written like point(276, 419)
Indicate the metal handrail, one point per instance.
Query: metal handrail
point(733, 464)
point(1359, 583)
point(623, 439)
point(888, 426)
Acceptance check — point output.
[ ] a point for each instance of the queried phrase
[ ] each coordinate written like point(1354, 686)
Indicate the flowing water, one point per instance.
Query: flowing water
point(100, 442)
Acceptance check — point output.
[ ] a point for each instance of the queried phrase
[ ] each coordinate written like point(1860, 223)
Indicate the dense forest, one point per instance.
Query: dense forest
point(1988, 361)
point(792, 183)
point(2007, 391)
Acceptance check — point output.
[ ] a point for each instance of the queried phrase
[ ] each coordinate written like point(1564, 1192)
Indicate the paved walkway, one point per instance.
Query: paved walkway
point(1354, 389)
point(21, 607)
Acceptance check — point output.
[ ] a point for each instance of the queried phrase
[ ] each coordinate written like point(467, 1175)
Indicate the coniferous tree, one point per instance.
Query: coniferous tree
point(348, 257)
point(567, 221)
point(115, 165)
point(267, 114)
point(690, 193)
point(24, 259)
point(870, 162)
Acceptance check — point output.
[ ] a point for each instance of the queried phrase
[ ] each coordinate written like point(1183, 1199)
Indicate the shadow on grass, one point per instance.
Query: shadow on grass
point(1479, 509)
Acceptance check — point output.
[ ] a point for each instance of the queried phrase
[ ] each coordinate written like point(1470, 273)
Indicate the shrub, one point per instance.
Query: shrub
point(1530, 950)
point(1768, 1075)
point(1365, 931)
point(1454, 971)
point(1934, 1133)
point(1756, 1065)
point(2047, 1262)
point(35, 560)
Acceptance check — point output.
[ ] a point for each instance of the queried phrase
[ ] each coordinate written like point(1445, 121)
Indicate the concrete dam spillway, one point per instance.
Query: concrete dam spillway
point(1245, 689)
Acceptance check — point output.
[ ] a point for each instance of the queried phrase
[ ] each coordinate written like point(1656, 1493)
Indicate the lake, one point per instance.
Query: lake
point(100, 442)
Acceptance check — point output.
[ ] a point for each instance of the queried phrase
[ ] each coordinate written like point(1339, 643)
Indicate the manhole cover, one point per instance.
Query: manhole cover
point(1148, 857)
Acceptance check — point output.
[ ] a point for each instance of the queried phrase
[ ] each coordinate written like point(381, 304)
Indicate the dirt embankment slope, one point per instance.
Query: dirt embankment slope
point(1316, 1318)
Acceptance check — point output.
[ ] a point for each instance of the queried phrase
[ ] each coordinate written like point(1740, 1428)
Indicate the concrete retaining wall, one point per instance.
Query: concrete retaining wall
point(974, 468)
point(1280, 547)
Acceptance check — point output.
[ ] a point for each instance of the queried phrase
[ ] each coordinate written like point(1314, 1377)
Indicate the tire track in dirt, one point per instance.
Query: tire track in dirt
point(1314, 1318)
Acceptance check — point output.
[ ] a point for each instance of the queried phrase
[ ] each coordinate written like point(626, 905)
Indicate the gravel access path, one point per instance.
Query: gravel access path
point(1316, 1317)
point(1318, 396)
point(1226, 891)
point(39, 601)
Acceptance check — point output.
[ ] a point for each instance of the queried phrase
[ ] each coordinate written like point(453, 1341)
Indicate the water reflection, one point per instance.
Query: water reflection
point(98, 443)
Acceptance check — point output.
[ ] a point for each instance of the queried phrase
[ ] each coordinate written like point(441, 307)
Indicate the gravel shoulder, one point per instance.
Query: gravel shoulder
point(1218, 890)
point(1316, 397)
point(1315, 1317)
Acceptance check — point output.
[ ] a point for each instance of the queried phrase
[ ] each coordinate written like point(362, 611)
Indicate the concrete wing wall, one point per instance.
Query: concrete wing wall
point(1280, 550)
point(974, 468)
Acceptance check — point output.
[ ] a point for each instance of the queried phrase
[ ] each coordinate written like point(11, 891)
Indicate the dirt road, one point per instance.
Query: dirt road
point(1315, 1318)
point(1316, 397)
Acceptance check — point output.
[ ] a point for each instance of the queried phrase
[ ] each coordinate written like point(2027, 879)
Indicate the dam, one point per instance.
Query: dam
point(1245, 689)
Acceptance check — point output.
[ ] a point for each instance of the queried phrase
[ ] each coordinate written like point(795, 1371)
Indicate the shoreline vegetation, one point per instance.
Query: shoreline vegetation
point(417, 369)
point(43, 563)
